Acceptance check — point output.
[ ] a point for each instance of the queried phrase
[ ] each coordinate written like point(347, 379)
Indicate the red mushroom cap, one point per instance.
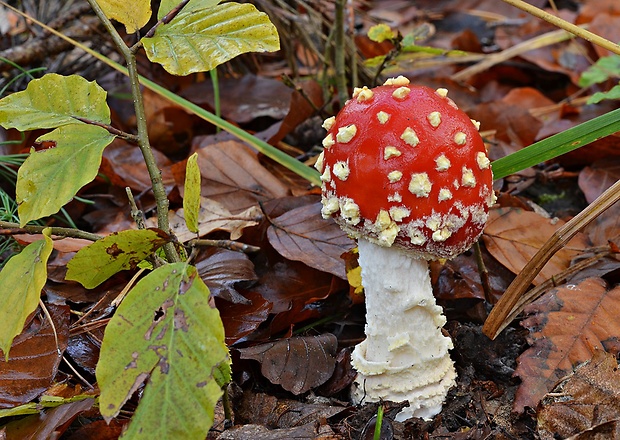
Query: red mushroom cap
point(403, 166)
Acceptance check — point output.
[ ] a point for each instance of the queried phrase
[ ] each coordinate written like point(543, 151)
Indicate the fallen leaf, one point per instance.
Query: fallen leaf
point(513, 236)
point(232, 176)
point(298, 364)
point(213, 216)
point(587, 398)
point(273, 412)
point(222, 270)
point(595, 179)
point(124, 165)
point(34, 358)
point(242, 319)
point(245, 99)
point(49, 424)
point(566, 326)
point(303, 235)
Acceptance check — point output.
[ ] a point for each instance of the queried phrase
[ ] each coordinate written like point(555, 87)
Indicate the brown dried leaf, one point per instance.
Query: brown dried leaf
point(273, 412)
point(124, 165)
point(303, 235)
point(245, 99)
point(241, 320)
point(222, 270)
point(213, 216)
point(588, 398)
point(566, 326)
point(595, 179)
point(298, 364)
point(513, 236)
point(232, 176)
point(49, 424)
point(34, 358)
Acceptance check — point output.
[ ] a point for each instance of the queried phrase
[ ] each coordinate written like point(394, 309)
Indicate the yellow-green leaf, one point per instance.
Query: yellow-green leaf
point(133, 14)
point(48, 179)
point(201, 39)
point(22, 279)
point(166, 334)
point(380, 33)
point(191, 195)
point(123, 250)
point(53, 101)
point(166, 6)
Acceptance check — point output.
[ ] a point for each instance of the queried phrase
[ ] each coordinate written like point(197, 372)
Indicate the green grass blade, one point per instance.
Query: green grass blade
point(558, 144)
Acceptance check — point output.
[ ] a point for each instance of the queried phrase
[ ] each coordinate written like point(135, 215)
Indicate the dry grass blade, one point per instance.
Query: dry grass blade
point(497, 318)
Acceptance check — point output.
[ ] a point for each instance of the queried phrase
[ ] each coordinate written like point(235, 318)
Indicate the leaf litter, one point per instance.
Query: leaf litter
point(287, 310)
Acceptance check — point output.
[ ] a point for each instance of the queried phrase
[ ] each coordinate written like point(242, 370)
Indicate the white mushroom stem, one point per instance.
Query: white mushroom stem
point(405, 355)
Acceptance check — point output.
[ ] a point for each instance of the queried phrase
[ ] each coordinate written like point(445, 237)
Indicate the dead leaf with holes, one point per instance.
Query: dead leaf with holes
point(589, 399)
point(566, 326)
point(298, 364)
point(513, 236)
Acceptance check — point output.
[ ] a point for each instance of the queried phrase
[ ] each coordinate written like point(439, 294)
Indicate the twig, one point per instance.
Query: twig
point(164, 20)
point(159, 191)
point(14, 229)
point(112, 130)
point(136, 214)
point(226, 244)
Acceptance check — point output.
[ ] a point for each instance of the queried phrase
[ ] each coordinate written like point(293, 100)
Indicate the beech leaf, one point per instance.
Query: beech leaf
point(191, 196)
point(513, 236)
point(134, 14)
point(53, 101)
point(566, 325)
point(22, 279)
point(301, 234)
point(50, 178)
point(123, 250)
point(299, 363)
point(588, 398)
point(201, 39)
point(165, 333)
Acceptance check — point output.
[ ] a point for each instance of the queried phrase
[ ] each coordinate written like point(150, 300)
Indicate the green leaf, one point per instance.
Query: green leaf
point(165, 329)
point(602, 70)
point(53, 101)
point(613, 93)
point(203, 38)
point(191, 195)
point(50, 178)
point(168, 5)
point(380, 33)
point(557, 144)
point(123, 250)
point(22, 279)
point(134, 14)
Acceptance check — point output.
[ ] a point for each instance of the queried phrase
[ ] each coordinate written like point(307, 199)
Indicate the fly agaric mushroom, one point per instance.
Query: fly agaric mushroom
point(406, 173)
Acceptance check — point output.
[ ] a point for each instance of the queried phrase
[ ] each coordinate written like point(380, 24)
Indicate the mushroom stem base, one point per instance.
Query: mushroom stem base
point(405, 354)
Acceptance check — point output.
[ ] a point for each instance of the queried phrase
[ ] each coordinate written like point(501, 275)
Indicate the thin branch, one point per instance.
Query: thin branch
point(159, 191)
point(225, 244)
point(164, 20)
point(112, 130)
point(10, 228)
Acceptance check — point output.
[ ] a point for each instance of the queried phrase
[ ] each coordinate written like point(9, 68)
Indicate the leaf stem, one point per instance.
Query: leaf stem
point(159, 191)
